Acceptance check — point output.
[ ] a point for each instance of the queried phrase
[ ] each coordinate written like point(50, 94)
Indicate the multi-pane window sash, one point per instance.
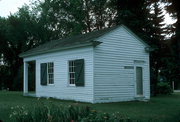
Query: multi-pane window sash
point(76, 72)
point(50, 73)
point(71, 73)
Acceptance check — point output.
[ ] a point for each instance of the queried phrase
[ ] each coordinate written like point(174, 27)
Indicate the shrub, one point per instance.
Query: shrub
point(164, 88)
point(65, 113)
point(20, 114)
point(61, 113)
point(49, 113)
point(105, 117)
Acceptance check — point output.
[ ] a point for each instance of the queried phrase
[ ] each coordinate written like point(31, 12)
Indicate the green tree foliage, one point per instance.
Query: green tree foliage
point(134, 15)
point(75, 16)
point(145, 17)
point(47, 20)
point(18, 34)
point(172, 60)
point(157, 30)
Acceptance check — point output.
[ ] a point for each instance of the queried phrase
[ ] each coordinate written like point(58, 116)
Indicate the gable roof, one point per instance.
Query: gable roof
point(73, 42)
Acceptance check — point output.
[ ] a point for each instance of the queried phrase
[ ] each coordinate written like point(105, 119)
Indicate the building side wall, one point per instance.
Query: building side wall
point(112, 81)
point(61, 89)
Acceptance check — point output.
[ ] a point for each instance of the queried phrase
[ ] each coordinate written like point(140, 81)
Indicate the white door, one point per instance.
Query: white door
point(139, 81)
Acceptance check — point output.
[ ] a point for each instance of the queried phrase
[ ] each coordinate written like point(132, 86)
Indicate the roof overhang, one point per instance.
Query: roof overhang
point(91, 43)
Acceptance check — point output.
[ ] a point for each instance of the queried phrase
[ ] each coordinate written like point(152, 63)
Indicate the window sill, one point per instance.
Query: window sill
point(71, 85)
point(50, 85)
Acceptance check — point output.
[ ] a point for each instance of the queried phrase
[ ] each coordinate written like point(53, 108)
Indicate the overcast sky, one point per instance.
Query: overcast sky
point(11, 6)
point(7, 6)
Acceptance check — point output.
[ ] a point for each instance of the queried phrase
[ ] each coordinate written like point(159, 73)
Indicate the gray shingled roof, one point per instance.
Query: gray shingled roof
point(67, 43)
point(73, 42)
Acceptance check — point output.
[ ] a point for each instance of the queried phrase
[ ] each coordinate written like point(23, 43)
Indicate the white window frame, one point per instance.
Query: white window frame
point(50, 68)
point(71, 72)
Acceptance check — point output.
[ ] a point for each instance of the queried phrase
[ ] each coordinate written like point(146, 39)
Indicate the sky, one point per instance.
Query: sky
point(11, 6)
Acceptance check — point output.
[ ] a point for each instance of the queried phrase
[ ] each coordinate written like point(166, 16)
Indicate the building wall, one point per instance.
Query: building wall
point(61, 89)
point(106, 78)
point(112, 82)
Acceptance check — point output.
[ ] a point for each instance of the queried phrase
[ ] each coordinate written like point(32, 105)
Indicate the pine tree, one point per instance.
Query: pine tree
point(173, 61)
point(157, 18)
point(173, 9)
point(134, 14)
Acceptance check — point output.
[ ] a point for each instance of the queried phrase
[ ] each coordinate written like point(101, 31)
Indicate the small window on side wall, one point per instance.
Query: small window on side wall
point(76, 72)
point(47, 73)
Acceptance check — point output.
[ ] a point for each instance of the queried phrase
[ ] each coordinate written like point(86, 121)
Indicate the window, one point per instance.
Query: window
point(51, 73)
point(76, 72)
point(47, 73)
point(71, 73)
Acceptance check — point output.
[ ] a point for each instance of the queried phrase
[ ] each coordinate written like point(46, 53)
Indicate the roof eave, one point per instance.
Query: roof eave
point(92, 43)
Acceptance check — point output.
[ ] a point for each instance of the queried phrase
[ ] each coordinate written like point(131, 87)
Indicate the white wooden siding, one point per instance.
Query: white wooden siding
point(112, 82)
point(61, 89)
point(106, 79)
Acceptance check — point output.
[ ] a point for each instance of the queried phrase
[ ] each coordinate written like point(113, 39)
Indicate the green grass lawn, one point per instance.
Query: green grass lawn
point(159, 108)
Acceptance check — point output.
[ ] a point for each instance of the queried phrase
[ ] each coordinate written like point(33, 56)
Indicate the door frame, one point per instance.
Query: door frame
point(135, 82)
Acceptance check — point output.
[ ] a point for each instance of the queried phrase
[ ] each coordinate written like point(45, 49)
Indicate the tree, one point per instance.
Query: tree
point(172, 7)
point(75, 16)
point(48, 20)
point(18, 34)
point(157, 33)
point(146, 18)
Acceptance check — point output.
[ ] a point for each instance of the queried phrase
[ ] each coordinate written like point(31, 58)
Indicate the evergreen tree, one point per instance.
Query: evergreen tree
point(173, 9)
point(158, 21)
point(53, 19)
point(173, 60)
point(157, 42)
point(134, 15)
